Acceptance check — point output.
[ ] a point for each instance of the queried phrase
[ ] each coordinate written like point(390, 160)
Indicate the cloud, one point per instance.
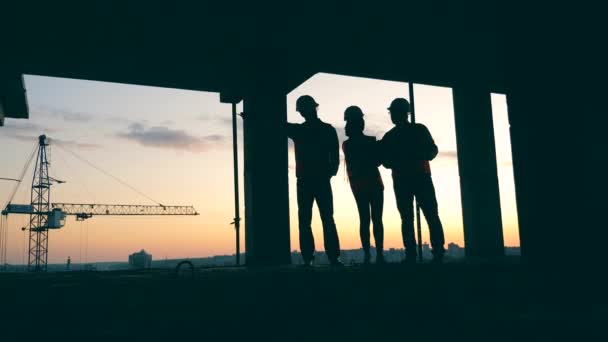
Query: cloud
point(376, 130)
point(24, 130)
point(175, 139)
point(448, 154)
point(27, 131)
point(68, 143)
point(118, 120)
point(64, 114)
point(75, 116)
point(223, 120)
point(73, 143)
point(215, 137)
point(22, 137)
point(25, 126)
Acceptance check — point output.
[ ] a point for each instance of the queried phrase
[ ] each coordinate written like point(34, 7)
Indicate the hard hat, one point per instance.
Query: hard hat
point(400, 105)
point(305, 101)
point(353, 112)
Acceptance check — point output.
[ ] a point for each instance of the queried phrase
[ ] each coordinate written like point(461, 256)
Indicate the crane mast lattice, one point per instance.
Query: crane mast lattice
point(44, 215)
point(41, 205)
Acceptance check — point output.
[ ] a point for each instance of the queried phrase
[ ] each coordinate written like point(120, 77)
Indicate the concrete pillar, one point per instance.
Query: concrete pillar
point(556, 101)
point(528, 173)
point(1, 114)
point(266, 178)
point(13, 100)
point(556, 140)
point(478, 174)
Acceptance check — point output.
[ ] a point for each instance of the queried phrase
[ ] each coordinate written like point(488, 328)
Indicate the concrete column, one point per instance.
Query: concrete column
point(478, 174)
point(266, 178)
point(557, 113)
point(527, 170)
point(1, 114)
point(13, 100)
point(557, 161)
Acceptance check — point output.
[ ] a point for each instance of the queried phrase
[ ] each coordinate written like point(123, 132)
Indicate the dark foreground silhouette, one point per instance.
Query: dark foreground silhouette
point(407, 149)
point(317, 160)
point(361, 154)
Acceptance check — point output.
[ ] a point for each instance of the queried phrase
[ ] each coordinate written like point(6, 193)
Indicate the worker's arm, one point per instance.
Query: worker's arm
point(346, 153)
point(430, 150)
point(386, 158)
point(377, 153)
point(345, 150)
point(334, 152)
point(292, 130)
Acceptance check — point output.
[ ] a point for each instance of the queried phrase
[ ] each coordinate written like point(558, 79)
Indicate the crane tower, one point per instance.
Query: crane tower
point(41, 205)
point(45, 215)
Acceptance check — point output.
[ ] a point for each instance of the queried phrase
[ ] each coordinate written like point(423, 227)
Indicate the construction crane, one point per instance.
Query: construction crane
point(45, 215)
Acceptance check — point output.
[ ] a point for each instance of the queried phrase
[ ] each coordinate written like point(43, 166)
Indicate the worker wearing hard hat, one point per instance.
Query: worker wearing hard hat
point(317, 160)
point(362, 161)
point(407, 149)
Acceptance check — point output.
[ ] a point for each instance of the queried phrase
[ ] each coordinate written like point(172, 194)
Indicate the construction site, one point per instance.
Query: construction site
point(251, 58)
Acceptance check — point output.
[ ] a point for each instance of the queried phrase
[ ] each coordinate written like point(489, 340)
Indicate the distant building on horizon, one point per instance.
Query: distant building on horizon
point(140, 260)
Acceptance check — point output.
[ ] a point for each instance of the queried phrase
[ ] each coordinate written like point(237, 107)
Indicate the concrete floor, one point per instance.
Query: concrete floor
point(394, 302)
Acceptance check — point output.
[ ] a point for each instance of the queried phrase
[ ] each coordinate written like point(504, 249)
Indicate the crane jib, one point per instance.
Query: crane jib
point(85, 211)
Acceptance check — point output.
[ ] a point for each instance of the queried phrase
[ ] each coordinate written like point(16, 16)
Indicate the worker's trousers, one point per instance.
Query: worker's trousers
point(319, 190)
point(370, 205)
point(421, 186)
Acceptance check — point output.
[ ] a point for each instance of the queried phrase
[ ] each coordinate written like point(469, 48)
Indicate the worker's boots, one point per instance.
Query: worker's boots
point(367, 258)
point(380, 258)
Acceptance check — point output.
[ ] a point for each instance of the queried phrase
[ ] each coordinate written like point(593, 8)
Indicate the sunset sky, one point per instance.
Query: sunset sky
point(175, 147)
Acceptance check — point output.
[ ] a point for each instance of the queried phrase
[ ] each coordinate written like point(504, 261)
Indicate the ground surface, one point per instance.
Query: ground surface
point(430, 302)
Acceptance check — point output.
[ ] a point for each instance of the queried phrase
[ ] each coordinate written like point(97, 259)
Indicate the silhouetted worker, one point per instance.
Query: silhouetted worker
point(407, 149)
point(317, 160)
point(362, 160)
